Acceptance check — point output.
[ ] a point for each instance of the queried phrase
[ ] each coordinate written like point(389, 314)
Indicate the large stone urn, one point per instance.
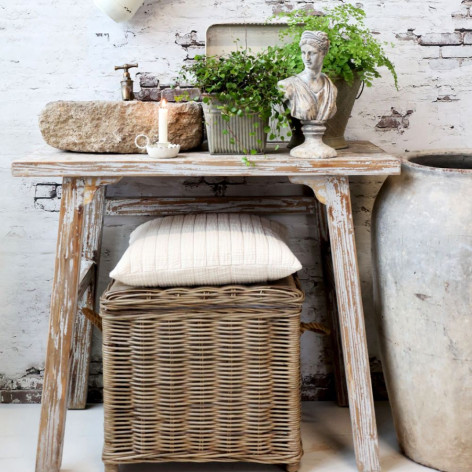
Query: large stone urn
point(422, 255)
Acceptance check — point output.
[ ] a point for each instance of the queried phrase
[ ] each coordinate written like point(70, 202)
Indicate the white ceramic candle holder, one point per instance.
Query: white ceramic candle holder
point(158, 150)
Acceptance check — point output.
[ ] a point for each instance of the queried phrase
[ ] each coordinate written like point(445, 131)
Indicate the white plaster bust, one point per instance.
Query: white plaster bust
point(310, 94)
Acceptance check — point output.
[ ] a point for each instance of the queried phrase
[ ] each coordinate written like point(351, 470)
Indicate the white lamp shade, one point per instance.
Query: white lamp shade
point(119, 10)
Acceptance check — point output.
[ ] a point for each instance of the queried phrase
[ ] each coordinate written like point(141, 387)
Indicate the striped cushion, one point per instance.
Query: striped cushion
point(207, 249)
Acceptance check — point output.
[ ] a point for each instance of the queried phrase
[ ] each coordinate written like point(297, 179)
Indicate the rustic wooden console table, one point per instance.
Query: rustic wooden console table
point(85, 177)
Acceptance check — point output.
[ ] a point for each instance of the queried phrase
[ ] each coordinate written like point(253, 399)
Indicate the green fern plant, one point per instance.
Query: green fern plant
point(354, 51)
point(244, 83)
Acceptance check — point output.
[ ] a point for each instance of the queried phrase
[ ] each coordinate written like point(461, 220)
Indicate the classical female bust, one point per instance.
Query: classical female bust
point(311, 94)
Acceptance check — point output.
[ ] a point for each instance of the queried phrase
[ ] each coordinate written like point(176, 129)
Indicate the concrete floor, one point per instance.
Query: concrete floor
point(326, 435)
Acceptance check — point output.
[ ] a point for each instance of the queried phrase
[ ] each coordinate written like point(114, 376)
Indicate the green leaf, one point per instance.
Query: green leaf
point(354, 50)
point(247, 162)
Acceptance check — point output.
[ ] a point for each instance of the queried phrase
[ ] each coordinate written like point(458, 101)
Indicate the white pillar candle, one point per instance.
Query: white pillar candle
point(163, 112)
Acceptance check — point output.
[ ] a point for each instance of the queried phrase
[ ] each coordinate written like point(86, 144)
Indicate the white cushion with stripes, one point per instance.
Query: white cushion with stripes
point(206, 249)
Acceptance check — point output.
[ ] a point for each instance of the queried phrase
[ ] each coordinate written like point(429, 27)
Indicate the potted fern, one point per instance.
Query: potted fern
point(240, 95)
point(354, 57)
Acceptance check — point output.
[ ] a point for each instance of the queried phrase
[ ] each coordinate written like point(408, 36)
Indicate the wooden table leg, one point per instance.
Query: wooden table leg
point(61, 324)
point(334, 193)
point(332, 307)
point(82, 338)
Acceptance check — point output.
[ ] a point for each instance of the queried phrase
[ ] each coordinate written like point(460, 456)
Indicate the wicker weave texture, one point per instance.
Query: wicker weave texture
point(202, 374)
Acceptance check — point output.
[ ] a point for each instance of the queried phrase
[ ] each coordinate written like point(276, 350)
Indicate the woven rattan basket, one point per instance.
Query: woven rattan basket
point(202, 374)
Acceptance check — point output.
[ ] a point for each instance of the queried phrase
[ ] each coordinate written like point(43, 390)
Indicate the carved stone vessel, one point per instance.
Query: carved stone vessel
point(103, 126)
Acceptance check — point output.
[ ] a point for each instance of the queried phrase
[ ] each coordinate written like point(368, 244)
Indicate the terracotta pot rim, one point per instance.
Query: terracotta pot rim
point(460, 161)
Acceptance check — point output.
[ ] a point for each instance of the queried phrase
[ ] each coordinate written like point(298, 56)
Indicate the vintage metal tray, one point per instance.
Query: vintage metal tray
point(222, 38)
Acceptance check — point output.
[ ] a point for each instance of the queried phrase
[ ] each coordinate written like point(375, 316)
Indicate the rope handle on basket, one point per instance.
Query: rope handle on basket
point(318, 328)
point(315, 327)
point(93, 317)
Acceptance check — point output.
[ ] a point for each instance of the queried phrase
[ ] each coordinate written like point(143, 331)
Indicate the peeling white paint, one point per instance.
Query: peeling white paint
point(67, 50)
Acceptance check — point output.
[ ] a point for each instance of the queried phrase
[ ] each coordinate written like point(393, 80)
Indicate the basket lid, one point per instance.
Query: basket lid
point(275, 293)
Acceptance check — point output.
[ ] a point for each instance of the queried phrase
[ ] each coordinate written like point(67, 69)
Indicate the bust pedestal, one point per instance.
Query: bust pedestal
point(313, 147)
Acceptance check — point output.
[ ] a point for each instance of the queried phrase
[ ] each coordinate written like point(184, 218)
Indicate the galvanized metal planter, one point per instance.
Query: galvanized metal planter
point(246, 131)
point(422, 254)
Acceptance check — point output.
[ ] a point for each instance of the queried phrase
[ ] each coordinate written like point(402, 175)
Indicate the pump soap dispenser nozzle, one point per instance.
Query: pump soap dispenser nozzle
point(126, 83)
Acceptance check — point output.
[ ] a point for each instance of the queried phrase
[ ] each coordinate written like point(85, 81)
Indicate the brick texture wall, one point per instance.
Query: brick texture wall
point(67, 50)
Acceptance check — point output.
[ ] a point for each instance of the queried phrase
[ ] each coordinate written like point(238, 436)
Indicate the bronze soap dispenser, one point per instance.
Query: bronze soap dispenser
point(126, 83)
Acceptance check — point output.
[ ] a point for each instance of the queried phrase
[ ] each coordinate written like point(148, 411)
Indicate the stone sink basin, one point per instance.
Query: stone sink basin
point(103, 126)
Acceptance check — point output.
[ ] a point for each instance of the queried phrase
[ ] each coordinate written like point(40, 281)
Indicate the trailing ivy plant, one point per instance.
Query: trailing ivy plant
point(354, 51)
point(244, 83)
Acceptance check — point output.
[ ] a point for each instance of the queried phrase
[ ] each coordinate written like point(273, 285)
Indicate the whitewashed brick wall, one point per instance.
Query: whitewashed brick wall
point(53, 50)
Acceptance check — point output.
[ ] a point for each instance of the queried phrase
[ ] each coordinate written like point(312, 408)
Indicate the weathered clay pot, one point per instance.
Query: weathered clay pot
point(336, 126)
point(422, 255)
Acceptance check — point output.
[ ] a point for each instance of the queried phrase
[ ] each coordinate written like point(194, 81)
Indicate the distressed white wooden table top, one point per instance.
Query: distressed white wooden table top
point(361, 158)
